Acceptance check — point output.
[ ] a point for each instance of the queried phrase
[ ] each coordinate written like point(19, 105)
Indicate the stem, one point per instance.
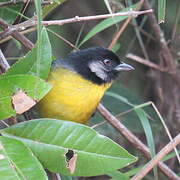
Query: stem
point(168, 148)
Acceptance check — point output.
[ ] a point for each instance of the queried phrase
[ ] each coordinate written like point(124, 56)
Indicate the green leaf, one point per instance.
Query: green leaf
point(133, 171)
point(125, 101)
point(8, 13)
point(106, 23)
point(117, 175)
point(119, 97)
point(29, 63)
point(161, 11)
point(58, 144)
point(39, 37)
point(18, 162)
point(148, 132)
point(143, 118)
point(147, 128)
point(34, 87)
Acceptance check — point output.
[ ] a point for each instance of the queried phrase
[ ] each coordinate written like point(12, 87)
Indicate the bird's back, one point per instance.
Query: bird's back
point(72, 97)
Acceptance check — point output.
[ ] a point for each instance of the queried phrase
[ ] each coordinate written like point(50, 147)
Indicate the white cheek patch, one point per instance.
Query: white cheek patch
point(98, 69)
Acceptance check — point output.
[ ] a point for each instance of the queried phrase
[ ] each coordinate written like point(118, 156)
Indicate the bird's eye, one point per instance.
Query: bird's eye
point(107, 62)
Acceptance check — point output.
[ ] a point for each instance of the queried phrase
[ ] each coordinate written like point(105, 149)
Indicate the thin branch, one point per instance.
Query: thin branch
point(22, 32)
point(168, 148)
point(4, 66)
point(99, 124)
point(134, 140)
point(63, 39)
point(118, 34)
point(9, 30)
point(33, 22)
point(145, 62)
point(167, 56)
point(24, 9)
point(140, 39)
point(12, 30)
point(144, 32)
point(166, 129)
point(3, 122)
point(89, 18)
point(14, 2)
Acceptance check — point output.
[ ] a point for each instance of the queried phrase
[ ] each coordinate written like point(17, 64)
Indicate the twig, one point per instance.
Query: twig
point(145, 62)
point(144, 32)
point(12, 30)
point(3, 122)
point(18, 36)
point(33, 22)
point(24, 9)
point(14, 2)
point(168, 148)
point(134, 140)
point(166, 129)
point(62, 38)
point(167, 56)
point(4, 66)
point(22, 32)
point(140, 39)
point(99, 124)
point(118, 34)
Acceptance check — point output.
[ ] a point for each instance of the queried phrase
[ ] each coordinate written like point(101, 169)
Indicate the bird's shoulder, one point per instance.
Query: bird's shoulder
point(62, 63)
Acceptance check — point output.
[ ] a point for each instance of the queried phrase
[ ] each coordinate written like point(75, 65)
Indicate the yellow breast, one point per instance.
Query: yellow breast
point(72, 97)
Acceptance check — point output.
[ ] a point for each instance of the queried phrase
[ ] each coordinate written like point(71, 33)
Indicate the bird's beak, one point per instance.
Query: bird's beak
point(123, 67)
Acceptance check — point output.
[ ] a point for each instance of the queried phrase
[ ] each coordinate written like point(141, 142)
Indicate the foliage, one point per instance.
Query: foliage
point(67, 148)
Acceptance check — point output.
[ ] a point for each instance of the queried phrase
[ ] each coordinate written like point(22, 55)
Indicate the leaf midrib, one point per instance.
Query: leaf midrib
point(76, 150)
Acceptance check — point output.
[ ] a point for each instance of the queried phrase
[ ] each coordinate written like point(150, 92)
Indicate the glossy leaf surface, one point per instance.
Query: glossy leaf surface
point(61, 144)
point(17, 162)
point(34, 87)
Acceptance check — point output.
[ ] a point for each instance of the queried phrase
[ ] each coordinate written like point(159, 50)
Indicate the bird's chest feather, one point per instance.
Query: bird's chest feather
point(72, 97)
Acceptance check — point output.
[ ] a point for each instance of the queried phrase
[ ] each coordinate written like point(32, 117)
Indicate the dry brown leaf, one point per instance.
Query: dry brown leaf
point(21, 102)
point(71, 165)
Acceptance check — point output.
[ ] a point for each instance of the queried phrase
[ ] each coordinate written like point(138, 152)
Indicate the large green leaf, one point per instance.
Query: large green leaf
point(58, 144)
point(17, 162)
point(30, 64)
point(32, 86)
point(107, 23)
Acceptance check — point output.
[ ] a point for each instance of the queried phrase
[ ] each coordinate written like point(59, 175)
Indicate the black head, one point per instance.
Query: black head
point(97, 64)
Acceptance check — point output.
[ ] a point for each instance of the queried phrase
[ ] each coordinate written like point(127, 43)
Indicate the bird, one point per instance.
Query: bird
point(79, 82)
